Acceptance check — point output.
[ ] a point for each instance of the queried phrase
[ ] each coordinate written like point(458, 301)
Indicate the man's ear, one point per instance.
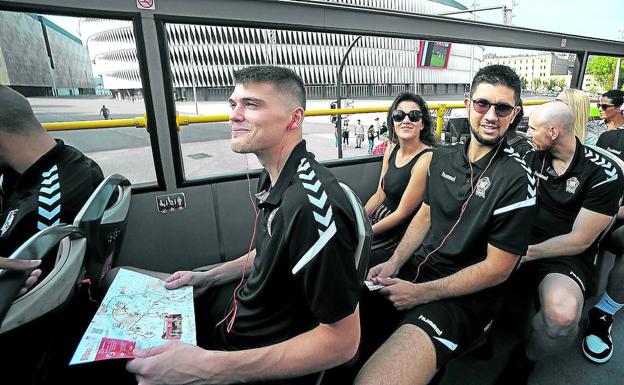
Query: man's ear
point(296, 118)
point(554, 132)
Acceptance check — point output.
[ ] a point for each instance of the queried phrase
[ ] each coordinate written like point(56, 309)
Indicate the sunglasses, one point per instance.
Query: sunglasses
point(413, 115)
point(604, 106)
point(502, 110)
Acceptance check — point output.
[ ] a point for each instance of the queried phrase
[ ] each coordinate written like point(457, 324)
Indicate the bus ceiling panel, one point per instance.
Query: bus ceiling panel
point(322, 16)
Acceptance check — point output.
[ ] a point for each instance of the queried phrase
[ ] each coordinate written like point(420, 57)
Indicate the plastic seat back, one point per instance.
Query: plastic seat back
point(58, 285)
point(103, 220)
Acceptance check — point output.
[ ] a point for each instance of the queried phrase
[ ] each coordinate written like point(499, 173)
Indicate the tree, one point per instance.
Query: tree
point(603, 70)
point(561, 84)
point(550, 85)
point(536, 84)
point(524, 82)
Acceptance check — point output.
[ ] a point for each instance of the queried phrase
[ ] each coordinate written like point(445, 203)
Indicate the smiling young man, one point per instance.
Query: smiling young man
point(459, 247)
point(296, 313)
point(579, 193)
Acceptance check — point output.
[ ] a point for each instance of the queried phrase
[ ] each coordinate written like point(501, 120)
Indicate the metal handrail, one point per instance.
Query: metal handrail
point(185, 120)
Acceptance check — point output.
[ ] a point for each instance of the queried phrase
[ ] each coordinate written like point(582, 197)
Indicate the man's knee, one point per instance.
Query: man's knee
point(561, 311)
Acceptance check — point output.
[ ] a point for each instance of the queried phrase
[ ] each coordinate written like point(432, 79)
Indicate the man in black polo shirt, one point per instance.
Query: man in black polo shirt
point(597, 344)
point(579, 192)
point(43, 182)
point(296, 313)
point(466, 242)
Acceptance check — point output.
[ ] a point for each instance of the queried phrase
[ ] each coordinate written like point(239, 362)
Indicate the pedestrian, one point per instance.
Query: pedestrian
point(359, 134)
point(105, 112)
point(371, 138)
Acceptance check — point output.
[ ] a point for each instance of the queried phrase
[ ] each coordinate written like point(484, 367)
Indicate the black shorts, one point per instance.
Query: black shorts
point(453, 325)
point(531, 274)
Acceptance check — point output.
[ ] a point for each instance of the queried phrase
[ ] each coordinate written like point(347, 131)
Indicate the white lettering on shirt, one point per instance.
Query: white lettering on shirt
point(449, 177)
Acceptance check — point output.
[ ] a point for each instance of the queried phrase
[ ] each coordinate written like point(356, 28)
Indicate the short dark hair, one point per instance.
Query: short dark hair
point(426, 134)
point(616, 96)
point(284, 79)
point(498, 75)
point(16, 114)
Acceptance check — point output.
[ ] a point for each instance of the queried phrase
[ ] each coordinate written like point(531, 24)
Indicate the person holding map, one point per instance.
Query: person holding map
point(288, 309)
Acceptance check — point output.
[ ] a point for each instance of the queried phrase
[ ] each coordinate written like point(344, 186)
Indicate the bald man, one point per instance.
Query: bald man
point(579, 192)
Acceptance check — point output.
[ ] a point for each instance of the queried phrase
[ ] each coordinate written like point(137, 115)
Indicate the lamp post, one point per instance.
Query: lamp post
point(338, 93)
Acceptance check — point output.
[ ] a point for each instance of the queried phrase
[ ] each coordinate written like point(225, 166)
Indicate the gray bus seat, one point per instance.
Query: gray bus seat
point(604, 260)
point(58, 285)
point(103, 223)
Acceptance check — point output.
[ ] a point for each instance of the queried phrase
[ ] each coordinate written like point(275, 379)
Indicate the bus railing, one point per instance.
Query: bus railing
point(185, 120)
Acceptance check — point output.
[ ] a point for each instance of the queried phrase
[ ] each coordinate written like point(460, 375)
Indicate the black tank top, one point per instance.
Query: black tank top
point(394, 184)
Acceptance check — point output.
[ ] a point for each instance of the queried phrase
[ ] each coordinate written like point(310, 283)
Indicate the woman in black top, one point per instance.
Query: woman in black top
point(403, 173)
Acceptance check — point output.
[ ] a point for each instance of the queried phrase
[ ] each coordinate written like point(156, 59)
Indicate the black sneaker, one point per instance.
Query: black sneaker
point(518, 369)
point(597, 344)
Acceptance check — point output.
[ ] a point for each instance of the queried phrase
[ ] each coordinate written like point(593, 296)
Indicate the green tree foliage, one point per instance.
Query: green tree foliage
point(536, 84)
point(561, 84)
point(550, 85)
point(603, 70)
point(524, 82)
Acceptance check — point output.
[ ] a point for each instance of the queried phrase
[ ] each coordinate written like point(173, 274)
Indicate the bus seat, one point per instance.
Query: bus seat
point(103, 220)
point(604, 259)
point(57, 286)
point(364, 233)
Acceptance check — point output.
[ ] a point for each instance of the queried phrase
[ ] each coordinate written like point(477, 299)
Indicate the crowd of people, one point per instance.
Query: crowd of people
point(456, 228)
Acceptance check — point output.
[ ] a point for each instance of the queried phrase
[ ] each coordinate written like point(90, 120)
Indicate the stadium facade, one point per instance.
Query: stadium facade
point(204, 57)
point(38, 58)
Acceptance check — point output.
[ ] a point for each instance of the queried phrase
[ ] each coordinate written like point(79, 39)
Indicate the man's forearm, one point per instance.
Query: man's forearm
point(414, 236)
point(470, 280)
point(232, 270)
point(562, 245)
point(318, 349)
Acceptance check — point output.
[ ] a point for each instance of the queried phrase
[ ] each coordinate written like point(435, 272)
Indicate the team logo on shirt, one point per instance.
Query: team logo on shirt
point(449, 177)
point(8, 222)
point(571, 185)
point(482, 186)
point(613, 150)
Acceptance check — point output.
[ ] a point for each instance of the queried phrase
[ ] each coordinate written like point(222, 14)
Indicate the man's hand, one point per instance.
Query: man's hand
point(172, 363)
point(403, 294)
point(19, 264)
point(383, 270)
point(198, 279)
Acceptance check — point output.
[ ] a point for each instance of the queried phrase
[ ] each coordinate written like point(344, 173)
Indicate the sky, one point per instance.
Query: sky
point(600, 19)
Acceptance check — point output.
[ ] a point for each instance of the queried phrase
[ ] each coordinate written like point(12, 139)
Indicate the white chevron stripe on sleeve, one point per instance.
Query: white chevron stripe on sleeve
point(316, 248)
point(50, 201)
point(324, 220)
point(50, 171)
point(304, 166)
point(41, 226)
point(312, 187)
point(50, 190)
point(517, 205)
point(309, 176)
point(49, 214)
point(320, 202)
point(53, 178)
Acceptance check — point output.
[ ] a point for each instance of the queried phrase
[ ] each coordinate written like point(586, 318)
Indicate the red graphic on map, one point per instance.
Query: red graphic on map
point(111, 348)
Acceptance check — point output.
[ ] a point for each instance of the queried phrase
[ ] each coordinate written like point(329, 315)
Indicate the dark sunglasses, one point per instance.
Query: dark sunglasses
point(413, 115)
point(604, 106)
point(502, 110)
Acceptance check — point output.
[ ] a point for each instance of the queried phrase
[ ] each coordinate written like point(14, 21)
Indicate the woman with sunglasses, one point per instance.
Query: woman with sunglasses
point(403, 173)
point(610, 116)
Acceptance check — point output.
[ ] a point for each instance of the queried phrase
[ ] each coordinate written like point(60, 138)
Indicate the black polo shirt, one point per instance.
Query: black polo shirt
point(498, 213)
point(613, 141)
point(304, 270)
point(591, 182)
point(49, 192)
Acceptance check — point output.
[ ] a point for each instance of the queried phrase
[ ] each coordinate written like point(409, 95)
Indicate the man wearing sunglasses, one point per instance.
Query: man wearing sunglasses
point(442, 282)
point(610, 116)
point(579, 192)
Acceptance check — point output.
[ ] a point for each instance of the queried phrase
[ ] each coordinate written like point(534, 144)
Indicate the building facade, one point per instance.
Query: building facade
point(542, 66)
point(203, 57)
point(39, 58)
